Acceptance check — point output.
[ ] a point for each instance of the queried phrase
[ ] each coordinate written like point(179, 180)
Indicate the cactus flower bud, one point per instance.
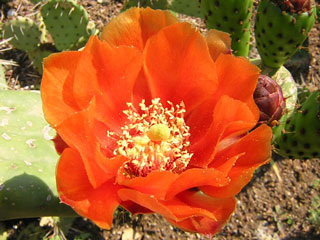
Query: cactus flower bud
point(295, 6)
point(269, 98)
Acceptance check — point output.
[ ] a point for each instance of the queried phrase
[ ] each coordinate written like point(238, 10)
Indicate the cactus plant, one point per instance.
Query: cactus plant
point(230, 16)
point(279, 32)
point(37, 55)
point(66, 21)
point(300, 137)
point(25, 33)
point(187, 7)
point(155, 4)
point(27, 159)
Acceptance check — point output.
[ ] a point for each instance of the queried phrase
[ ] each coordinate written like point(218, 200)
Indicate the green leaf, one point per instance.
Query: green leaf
point(27, 159)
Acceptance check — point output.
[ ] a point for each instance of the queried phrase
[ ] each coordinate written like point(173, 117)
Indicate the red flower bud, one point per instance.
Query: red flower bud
point(294, 6)
point(269, 98)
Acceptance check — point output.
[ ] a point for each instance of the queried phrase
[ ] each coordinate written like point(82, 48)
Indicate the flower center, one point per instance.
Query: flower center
point(159, 132)
point(155, 139)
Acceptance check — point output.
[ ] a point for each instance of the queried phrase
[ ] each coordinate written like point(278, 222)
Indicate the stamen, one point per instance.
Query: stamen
point(155, 139)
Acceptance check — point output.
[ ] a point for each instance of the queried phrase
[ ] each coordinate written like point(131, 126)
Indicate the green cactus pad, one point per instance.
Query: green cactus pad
point(24, 32)
point(232, 16)
point(155, 4)
point(36, 56)
point(300, 137)
point(279, 34)
point(187, 7)
point(67, 22)
point(27, 159)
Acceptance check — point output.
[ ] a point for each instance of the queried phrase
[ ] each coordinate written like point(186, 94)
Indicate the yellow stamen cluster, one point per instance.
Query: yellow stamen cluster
point(155, 139)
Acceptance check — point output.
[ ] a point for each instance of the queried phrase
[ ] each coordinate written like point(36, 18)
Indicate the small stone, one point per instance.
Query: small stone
point(6, 136)
point(127, 234)
point(137, 236)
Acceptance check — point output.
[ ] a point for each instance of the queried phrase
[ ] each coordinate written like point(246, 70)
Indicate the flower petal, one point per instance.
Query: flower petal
point(72, 179)
point(57, 68)
point(169, 63)
point(75, 190)
point(145, 201)
point(237, 78)
point(135, 26)
point(196, 177)
point(78, 132)
point(106, 72)
point(230, 118)
point(155, 184)
point(99, 206)
point(253, 151)
point(218, 42)
point(220, 208)
point(175, 209)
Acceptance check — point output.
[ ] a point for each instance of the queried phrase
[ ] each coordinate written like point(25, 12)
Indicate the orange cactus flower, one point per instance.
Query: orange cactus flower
point(155, 118)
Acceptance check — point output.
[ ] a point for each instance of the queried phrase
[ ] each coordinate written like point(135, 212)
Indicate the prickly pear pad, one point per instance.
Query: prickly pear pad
point(300, 138)
point(25, 33)
point(67, 23)
point(188, 7)
point(27, 159)
point(231, 16)
point(279, 34)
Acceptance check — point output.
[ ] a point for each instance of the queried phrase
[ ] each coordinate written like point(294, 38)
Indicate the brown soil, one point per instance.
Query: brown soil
point(277, 204)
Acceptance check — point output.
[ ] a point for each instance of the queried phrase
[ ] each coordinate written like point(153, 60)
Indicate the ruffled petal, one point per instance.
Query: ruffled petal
point(57, 69)
point(78, 132)
point(75, 190)
point(146, 201)
point(251, 151)
point(237, 79)
point(99, 205)
point(231, 118)
point(218, 42)
point(106, 72)
point(239, 177)
point(196, 177)
point(169, 64)
point(175, 209)
point(72, 179)
point(155, 184)
point(220, 208)
point(135, 26)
